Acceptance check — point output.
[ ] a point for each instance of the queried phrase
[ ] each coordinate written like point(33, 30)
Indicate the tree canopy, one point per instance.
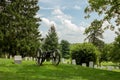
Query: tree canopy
point(19, 27)
point(110, 9)
point(51, 40)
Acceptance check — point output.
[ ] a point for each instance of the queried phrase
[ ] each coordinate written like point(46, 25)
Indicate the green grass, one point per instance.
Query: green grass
point(28, 70)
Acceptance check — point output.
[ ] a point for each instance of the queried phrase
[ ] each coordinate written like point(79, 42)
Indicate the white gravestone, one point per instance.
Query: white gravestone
point(117, 67)
point(95, 66)
point(84, 64)
point(26, 58)
point(110, 68)
point(73, 62)
point(91, 64)
point(18, 59)
point(10, 57)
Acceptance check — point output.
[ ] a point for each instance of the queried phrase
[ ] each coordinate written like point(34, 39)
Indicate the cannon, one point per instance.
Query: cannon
point(51, 55)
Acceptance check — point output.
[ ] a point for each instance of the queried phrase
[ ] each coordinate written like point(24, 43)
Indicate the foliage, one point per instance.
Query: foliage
point(111, 9)
point(84, 53)
point(115, 54)
point(20, 33)
point(51, 40)
point(28, 71)
point(65, 48)
point(106, 51)
point(94, 34)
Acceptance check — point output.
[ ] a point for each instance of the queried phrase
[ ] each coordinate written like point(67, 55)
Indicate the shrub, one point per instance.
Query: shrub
point(84, 53)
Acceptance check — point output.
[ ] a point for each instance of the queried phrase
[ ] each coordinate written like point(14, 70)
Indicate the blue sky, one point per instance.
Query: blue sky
point(68, 18)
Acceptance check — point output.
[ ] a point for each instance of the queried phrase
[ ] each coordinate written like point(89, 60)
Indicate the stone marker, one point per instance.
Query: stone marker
point(110, 68)
point(26, 58)
point(63, 60)
point(95, 66)
point(18, 59)
point(73, 62)
point(91, 64)
point(117, 67)
point(10, 56)
point(84, 64)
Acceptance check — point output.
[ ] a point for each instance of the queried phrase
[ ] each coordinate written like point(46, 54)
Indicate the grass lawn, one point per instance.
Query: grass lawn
point(28, 70)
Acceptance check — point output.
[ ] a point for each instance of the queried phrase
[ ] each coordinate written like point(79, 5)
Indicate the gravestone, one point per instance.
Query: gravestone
point(84, 64)
point(34, 59)
point(110, 68)
point(95, 66)
point(17, 59)
point(6, 56)
point(91, 64)
point(26, 58)
point(10, 56)
point(117, 67)
point(73, 62)
point(63, 60)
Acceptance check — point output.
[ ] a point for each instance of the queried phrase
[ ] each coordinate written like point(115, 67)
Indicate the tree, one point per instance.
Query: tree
point(65, 48)
point(111, 9)
point(21, 28)
point(84, 53)
point(51, 40)
point(115, 54)
point(94, 34)
point(106, 52)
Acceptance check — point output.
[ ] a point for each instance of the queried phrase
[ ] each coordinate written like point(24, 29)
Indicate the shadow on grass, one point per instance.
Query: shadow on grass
point(50, 72)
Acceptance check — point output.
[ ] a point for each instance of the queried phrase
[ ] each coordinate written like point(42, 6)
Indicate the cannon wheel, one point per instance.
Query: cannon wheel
point(56, 57)
point(39, 57)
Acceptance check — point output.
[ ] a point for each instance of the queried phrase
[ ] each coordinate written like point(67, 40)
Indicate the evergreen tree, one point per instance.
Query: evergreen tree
point(21, 27)
point(51, 40)
point(65, 48)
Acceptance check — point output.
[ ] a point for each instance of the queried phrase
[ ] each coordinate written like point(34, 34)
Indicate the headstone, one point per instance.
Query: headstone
point(31, 58)
point(110, 68)
point(63, 60)
point(17, 59)
point(74, 62)
point(26, 58)
point(102, 67)
point(91, 64)
point(95, 66)
point(117, 67)
point(34, 59)
point(10, 57)
point(84, 64)
point(6, 56)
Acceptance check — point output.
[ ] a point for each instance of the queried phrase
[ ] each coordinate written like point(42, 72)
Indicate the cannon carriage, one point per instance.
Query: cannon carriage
point(52, 55)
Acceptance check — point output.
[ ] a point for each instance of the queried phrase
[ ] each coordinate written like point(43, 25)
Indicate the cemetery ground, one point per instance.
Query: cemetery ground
point(28, 70)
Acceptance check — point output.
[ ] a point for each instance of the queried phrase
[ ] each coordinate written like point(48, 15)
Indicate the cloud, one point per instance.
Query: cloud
point(38, 15)
point(57, 12)
point(66, 21)
point(48, 22)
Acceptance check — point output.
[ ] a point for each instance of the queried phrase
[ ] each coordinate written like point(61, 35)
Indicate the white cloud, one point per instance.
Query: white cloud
point(48, 22)
point(57, 12)
point(38, 15)
point(66, 21)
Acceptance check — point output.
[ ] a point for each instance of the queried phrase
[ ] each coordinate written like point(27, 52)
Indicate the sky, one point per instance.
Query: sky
point(68, 18)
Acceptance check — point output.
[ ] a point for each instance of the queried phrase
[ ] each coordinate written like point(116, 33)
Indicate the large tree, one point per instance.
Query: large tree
point(94, 33)
point(51, 40)
point(21, 33)
point(115, 54)
point(111, 9)
point(65, 48)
